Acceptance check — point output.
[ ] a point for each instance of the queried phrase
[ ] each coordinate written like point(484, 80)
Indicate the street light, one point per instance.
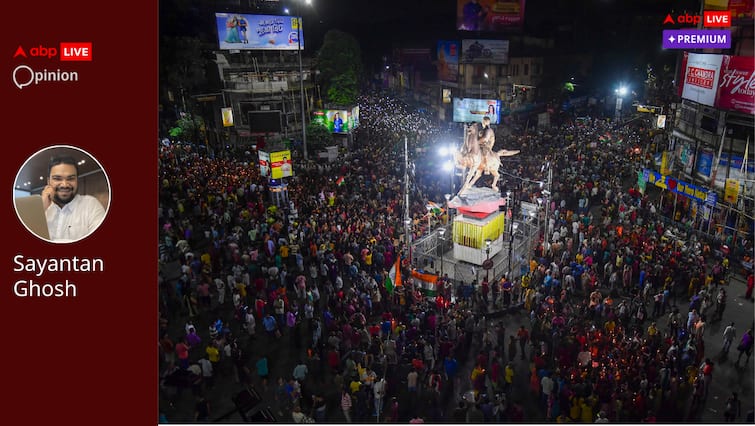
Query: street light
point(301, 80)
point(487, 259)
point(514, 226)
point(620, 92)
point(442, 232)
point(448, 208)
point(486, 83)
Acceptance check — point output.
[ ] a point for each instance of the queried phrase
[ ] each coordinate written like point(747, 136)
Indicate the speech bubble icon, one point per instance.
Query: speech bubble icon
point(18, 82)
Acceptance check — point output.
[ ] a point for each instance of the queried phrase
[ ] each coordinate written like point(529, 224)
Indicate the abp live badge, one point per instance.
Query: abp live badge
point(75, 51)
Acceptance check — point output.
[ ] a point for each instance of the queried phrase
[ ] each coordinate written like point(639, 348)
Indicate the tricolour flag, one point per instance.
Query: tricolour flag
point(340, 180)
point(393, 279)
point(428, 283)
point(434, 208)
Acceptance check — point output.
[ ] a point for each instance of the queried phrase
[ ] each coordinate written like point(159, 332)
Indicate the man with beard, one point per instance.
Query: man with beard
point(70, 215)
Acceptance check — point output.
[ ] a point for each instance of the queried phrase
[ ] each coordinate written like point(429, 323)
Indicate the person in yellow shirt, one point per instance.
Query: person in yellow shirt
point(652, 330)
point(610, 325)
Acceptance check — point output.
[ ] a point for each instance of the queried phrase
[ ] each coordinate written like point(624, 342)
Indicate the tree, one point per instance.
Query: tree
point(318, 135)
point(189, 128)
point(340, 64)
point(182, 66)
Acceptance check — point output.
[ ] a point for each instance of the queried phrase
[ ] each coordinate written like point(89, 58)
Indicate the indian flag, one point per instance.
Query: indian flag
point(340, 180)
point(434, 208)
point(393, 279)
point(428, 283)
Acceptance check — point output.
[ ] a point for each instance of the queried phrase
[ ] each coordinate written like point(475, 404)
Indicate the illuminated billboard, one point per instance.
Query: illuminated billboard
point(468, 110)
point(280, 164)
point(489, 15)
point(485, 51)
point(264, 162)
point(700, 78)
point(258, 32)
point(720, 81)
point(337, 120)
point(227, 114)
point(448, 60)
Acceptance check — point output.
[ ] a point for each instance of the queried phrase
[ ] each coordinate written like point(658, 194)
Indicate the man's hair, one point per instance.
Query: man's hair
point(63, 159)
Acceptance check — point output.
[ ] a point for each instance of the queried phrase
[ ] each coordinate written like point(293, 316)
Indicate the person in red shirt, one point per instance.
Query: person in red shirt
point(182, 352)
point(750, 284)
point(524, 336)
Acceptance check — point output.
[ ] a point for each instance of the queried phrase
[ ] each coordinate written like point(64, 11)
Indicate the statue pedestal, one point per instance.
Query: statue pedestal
point(479, 218)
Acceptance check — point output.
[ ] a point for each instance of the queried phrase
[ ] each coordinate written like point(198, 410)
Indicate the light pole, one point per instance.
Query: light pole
point(514, 226)
point(448, 209)
point(442, 232)
point(301, 80)
point(620, 92)
point(486, 83)
point(487, 259)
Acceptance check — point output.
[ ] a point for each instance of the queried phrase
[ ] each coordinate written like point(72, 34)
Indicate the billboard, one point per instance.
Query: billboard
point(721, 81)
point(448, 60)
point(700, 78)
point(741, 9)
point(280, 164)
point(337, 120)
point(467, 110)
point(264, 162)
point(489, 15)
point(258, 32)
point(265, 121)
point(227, 114)
point(736, 85)
point(485, 51)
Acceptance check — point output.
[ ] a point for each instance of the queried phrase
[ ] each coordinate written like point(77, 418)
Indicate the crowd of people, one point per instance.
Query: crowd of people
point(292, 297)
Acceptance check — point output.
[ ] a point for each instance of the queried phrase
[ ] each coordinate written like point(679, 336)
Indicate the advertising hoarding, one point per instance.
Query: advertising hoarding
point(700, 78)
point(227, 114)
point(722, 81)
point(736, 86)
point(265, 121)
point(280, 164)
point(475, 51)
point(448, 60)
point(264, 163)
point(258, 32)
point(468, 110)
point(337, 120)
point(704, 163)
point(489, 15)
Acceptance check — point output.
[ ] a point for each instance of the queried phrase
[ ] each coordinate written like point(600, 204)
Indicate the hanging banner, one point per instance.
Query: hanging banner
point(731, 191)
point(448, 60)
point(676, 186)
point(227, 114)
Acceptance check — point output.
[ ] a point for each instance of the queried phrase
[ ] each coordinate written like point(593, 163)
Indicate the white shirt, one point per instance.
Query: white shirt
point(74, 220)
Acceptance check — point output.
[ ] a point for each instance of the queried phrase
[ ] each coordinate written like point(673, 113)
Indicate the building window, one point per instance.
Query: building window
point(526, 69)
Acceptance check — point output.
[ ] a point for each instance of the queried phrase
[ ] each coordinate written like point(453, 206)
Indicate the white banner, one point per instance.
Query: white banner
point(700, 78)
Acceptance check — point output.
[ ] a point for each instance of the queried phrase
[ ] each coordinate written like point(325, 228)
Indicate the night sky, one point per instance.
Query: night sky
point(621, 34)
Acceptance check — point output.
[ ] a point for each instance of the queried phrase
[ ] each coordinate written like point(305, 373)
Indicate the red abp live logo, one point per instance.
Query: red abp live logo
point(69, 51)
point(710, 19)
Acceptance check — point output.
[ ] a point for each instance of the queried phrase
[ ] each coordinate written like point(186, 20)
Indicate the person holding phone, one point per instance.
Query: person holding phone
point(70, 215)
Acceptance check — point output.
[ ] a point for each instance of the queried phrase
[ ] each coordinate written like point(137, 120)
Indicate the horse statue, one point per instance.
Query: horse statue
point(477, 157)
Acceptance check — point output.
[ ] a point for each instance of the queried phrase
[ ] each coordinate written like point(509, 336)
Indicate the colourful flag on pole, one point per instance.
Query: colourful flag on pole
point(428, 283)
point(393, 279)
point(434, 208)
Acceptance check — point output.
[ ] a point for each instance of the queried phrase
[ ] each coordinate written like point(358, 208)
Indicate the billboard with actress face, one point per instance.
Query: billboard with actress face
point(259, 32)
